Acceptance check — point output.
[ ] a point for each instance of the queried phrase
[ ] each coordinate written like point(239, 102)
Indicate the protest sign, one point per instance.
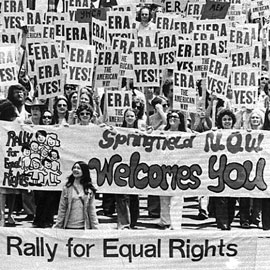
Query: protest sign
point(218, 74)
point(194, 10)
point(8, 66)
point(117, 102)
point(239, 38)
point(184, 56)
point(167, 46)
point(126, 59)
point(245, 86)
point(184, 26)
point(147, 38)
point(107, 70)
point(99, 34)
point(84, 15)
point(184, 92)
point(215, 10)
point(218, 26)
point(49, 78)
point(52, 17)
point(125, 162)
point(140, 249)
point(10, 37)
point(165, 21)
point(260, 9)
point(80, 64)
point(175, 5)
point(119, 24)
point(146, 66)
point(12, 13)
point(242, 56)
point(48, 69)
point(73, 6)
point(236, 13)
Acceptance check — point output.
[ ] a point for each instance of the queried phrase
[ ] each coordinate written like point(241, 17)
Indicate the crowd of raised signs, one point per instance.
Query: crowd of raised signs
point(186, 95)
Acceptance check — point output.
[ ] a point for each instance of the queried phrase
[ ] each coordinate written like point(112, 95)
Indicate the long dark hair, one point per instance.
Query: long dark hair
point(181, 126)
point(55, 112)
point(85, 181)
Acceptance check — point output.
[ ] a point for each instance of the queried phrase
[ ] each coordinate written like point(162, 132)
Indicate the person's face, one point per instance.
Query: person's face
point(47, 118)
point(85, 116)
point(74, 99)
point(149, 92)
point(255, 120)
point(174, 120)
point(68, 90)
point(18, 95)
point(77, 171)
point(164, 104)
point(35, 111)
point(145, 15)
point(227, 122)
point(62, 107)
point(84, 99)
point(130, 118)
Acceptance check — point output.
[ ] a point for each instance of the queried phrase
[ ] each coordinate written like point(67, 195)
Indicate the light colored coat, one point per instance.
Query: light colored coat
point(90, 216)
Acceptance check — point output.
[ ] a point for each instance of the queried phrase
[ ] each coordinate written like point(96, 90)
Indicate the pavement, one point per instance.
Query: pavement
point(190, 219)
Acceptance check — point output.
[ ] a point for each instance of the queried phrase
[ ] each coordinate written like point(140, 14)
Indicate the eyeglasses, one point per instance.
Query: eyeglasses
point(86, 113)
point(61, 105)
point(145, 14)
point(174, 116)
point(47, 117)
point(165, 105)
point(264, 78)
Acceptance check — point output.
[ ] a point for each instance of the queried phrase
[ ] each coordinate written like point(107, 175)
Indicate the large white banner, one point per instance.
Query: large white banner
point(56, 248)
point(216, 163)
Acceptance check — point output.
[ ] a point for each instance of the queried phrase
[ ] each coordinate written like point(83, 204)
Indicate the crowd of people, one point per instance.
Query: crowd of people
point(152, 109)
point(79, 194)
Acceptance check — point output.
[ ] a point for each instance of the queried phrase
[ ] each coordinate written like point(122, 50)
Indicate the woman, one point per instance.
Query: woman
point(158, 119)
point(127, 206)
point(46, 118)
point(84, 114)
point(224, 207)
point(171, 207)
point(77, 208)
point(60, 111)
point(72, 107)
point(250, 209)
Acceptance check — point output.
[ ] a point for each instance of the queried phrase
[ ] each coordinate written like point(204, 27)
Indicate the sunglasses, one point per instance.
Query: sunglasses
point(47, 117)
point(264, 78)
point(86, 113)
point(61, 105)
point(174, 116)
point(165, 105)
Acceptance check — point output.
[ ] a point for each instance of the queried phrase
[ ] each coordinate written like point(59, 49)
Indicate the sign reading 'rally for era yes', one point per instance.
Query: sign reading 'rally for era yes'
point(234, 163)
